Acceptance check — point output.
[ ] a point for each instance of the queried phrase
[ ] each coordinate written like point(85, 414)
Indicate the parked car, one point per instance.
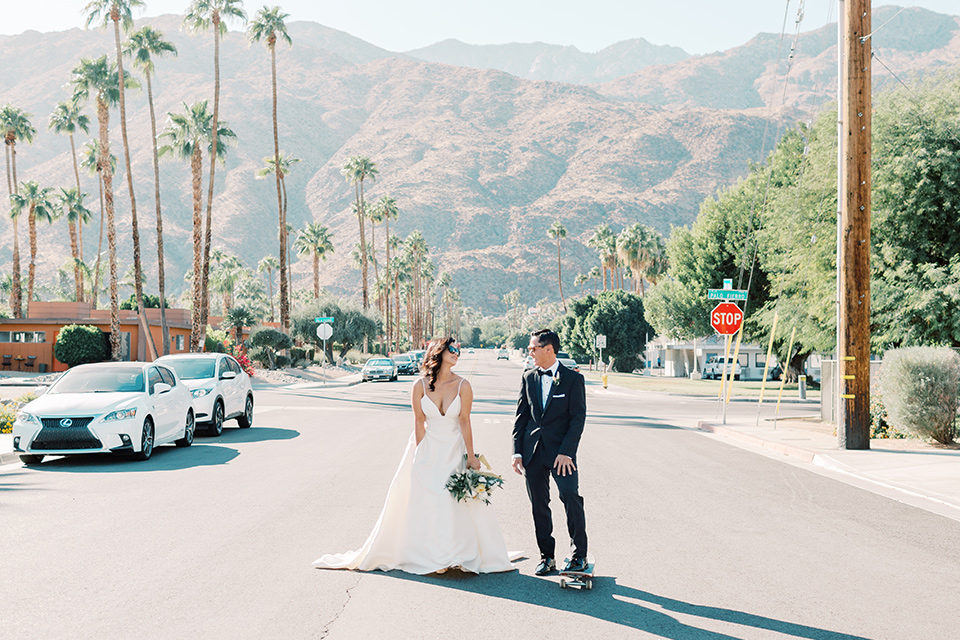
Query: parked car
point(406, 364)
point(220, 388)
point(118, 407)
point(528, 363)
point(570, 363)
point(713, 369)
point(470, 350)
point(503, 354)
point(419, 355)
point(378, 369)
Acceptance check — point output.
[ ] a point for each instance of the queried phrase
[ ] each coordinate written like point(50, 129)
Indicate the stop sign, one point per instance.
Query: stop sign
point(726, 318)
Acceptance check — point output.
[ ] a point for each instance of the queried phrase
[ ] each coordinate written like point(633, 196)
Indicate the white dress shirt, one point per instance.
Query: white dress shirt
point(547, 381)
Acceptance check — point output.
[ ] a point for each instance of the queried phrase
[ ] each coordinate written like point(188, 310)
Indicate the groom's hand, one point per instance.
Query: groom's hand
point(564, 465)
point(518, 465)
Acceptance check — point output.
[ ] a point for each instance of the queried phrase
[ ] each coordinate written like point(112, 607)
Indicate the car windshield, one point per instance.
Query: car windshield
point(100, 380)
point(401, 358)
point(193, 368)
point(380, 362)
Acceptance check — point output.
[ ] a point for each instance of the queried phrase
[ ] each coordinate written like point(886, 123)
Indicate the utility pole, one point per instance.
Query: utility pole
point(853, 411)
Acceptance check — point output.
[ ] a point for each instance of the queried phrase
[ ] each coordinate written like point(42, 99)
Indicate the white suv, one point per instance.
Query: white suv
point(713, 369)
point(220, 388)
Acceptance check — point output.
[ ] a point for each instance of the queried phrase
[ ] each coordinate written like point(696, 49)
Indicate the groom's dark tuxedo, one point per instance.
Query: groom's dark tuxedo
point(541, 431)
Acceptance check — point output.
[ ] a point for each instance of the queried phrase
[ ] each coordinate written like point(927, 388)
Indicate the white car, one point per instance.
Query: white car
point(118, 407)
point(714, 368)
point(220, 388)
point(379, 369)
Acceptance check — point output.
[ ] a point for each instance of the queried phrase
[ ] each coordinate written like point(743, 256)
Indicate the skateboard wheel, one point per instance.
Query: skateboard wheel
point(588, 583)
point(563, 583)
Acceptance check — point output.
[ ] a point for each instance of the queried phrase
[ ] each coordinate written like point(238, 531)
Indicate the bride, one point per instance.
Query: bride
point(422, 528)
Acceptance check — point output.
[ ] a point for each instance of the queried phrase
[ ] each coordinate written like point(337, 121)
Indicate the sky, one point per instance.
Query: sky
point(697, 26)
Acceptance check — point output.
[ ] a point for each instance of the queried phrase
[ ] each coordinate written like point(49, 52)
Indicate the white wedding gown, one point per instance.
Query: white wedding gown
point(422, 528)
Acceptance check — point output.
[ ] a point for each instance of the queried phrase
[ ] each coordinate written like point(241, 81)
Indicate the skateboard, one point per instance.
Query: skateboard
point(579, 579)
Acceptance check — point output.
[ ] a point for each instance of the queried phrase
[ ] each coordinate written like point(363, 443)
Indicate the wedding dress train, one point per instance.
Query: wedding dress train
point(422, 528)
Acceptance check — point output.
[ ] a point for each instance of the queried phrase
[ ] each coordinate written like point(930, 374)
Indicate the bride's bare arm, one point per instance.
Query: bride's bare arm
point(466, 403)
point(419, 419)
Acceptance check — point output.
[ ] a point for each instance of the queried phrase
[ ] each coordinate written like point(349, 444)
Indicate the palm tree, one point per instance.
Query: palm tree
point(581, 280)
point(100, 79)
point(186, 137)
point(15, 126)
point(387, 209)
point(315, 240)
point(268, 25)
point(203, 15)
point(270, 168)
point(91, 162)
point(67, 119)
point(356, 170)
point(237, 318)
point(143, 46)
point(595, 274)
point(116, 11)
point(71, 206)
point(604, 242)
point(557, 231)
point(38, 203)
point(267, 265)
point(224, 278)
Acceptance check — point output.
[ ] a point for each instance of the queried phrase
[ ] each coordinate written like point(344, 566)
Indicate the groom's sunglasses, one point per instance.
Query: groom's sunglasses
point(455, 350)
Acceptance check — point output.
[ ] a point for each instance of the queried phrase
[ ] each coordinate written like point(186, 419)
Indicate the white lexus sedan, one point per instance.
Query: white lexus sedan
point(118, 407)
point(220, 388)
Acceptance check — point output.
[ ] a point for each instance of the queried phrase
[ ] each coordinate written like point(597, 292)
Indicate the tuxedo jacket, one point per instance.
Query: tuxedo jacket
point(555, 428)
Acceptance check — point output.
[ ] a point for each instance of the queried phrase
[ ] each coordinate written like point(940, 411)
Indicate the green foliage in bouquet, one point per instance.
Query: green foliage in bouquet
point(474, 485)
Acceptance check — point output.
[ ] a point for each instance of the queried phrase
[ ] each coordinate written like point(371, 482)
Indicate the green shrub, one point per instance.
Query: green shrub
point(8, 411)
point(355, 356)
point(282, 361)
point(920, 387)
point(214, 341)
point(260, 356)
point(80, 344)
point(880, 426)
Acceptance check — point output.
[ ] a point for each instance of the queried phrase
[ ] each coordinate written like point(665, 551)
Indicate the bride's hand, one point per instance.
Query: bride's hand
point(473, 463)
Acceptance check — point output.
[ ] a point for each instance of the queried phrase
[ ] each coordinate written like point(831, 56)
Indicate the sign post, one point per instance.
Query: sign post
point(726, 319)
point(324, 332)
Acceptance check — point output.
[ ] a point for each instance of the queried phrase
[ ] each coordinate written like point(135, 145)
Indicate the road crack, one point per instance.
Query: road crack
point(326, 628)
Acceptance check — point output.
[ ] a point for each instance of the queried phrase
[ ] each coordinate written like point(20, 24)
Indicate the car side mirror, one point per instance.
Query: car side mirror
point(161, 387)
point(228, 375)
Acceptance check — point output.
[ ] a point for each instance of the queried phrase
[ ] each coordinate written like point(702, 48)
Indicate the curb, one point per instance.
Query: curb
point(10, 456)
point(783, 449)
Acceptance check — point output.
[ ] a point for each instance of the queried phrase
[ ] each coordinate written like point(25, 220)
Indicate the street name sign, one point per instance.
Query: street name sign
point(726, 294)
point(726, 318)
point(323, 319)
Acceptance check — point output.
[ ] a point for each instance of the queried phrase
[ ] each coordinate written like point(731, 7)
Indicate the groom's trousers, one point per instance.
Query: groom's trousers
point(538, 474)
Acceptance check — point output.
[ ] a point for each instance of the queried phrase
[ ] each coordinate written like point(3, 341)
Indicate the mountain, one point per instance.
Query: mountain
point(555, 63)
point(480, 160)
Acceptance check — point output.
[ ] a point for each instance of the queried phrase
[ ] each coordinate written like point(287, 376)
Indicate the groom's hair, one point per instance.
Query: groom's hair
point(547, 337)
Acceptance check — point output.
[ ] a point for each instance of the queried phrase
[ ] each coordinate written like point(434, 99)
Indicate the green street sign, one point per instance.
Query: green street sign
point(330, 320)
point(726, 294)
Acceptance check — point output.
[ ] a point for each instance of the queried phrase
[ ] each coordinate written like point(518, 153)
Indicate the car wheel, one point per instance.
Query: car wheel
point(215, 427)
point(246, 419)
point(393, 379)
point(188, 431)
point(146, 441)
point(29, 458)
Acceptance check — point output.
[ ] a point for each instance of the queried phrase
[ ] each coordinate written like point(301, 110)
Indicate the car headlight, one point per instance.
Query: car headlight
point(120, 414)
point(199, 393)
point(27, 418)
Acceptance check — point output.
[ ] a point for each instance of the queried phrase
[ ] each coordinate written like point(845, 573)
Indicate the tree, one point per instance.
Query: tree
point(91, 162)
point(70, 204)
point(605, 242)
point(143, 46)
point(268, 25)
point(100, 80)
point(15, 126)
point(356, 170)
point(619, 315)
point(80, 344)
point(68, 119)
point(39, 204)
point(557, 231)
point(186, 136)
point(316, 241)
point(270, 168)
point(352, 325)
point(237, 318)
point(270, 341)
point(581, 280)
point(387, 210)
point(267, 265)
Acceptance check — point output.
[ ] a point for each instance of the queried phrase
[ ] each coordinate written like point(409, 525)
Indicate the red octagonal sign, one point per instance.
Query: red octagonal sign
point(726, 318)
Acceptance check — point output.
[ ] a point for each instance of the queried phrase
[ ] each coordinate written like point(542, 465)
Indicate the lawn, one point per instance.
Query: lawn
point(705, 388)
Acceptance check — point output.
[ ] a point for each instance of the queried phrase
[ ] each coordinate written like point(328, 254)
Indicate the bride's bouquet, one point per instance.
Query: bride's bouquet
point(472, 484)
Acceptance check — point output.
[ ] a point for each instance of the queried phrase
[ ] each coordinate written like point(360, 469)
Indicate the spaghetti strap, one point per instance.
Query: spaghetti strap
point(459, 386)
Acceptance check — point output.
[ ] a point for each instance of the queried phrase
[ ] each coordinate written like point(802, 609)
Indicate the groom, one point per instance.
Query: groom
point(546, 433)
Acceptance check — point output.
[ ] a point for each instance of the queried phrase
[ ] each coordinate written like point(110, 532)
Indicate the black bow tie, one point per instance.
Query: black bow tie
point(546, 372)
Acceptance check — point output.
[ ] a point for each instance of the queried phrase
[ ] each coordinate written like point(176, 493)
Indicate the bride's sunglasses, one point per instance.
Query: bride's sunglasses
point(454, 349)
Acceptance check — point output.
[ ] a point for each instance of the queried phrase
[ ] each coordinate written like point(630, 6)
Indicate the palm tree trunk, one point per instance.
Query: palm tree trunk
point(560, 277)
point(289, 246)
point(103, 116)
point(281, 213)
point(316, 275)
point(363, 250)
point(134, 227)
point(95, 294)
point(270, 288)
point(74, 251)
point(208, 232)
point(161, 279)
point(78, 252)
point(196, 172)
point(16, 293)
point(32, 226)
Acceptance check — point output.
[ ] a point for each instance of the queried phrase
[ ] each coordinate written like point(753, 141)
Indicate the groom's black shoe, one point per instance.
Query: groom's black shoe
point(547, 565)
point(576, 564)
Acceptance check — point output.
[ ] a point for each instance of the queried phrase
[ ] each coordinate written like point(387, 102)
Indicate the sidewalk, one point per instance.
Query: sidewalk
point(911, 471)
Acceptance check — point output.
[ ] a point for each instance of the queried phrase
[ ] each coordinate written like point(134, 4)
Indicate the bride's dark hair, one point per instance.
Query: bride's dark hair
point(433, 358)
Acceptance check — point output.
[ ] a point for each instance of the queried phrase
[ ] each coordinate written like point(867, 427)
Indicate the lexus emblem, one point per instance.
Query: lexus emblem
point(66, 422)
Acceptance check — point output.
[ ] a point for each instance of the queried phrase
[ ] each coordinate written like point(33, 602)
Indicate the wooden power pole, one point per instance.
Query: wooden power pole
point(853, 428)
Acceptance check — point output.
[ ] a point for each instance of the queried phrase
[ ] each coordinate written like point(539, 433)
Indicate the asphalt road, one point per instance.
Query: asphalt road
point(693, 537)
